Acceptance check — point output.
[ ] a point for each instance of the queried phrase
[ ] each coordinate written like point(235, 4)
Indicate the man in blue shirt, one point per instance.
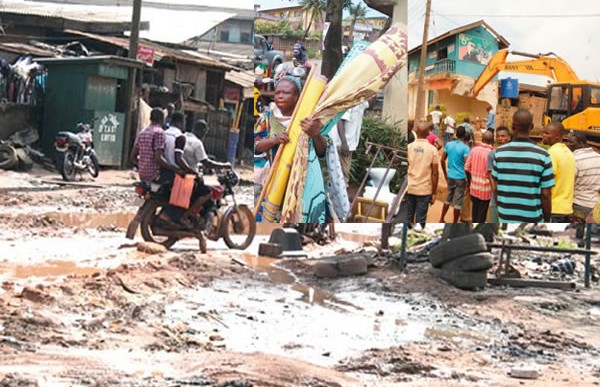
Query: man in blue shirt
point(456, 152)
point(491, 119)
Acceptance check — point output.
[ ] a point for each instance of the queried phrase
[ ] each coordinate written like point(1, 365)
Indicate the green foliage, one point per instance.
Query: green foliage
point(377, 131)
point(282, 28)
point(460, 117)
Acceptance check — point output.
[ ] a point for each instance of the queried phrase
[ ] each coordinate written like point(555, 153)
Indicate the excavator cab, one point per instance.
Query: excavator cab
point(575, 104)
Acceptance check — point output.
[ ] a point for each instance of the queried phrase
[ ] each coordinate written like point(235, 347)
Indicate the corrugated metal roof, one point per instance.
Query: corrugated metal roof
point(26, 49)
point(241, 78)
point(169, 24)
point(160, 51)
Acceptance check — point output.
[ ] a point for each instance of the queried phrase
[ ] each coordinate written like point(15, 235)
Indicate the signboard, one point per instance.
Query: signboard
point(231, 93)
point(476, 50)
point(108, 137)
point(145, 54)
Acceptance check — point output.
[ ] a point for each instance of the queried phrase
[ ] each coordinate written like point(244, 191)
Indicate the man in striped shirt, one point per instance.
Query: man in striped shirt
point(587, 174)
point(479, 185)
point(524, 176)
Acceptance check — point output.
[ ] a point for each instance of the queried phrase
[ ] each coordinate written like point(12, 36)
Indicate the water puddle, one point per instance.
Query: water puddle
point(49, 269)
point(93, 220)
point(308, 294)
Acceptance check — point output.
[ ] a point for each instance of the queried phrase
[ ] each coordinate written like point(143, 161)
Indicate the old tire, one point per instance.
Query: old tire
point(8, 157)
point(488, 230)
point(473, 262)
point(457, 247)
point(462, 279)
point(455, 230)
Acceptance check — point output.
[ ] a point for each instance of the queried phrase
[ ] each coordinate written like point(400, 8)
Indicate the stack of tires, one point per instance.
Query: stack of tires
point(462, 262)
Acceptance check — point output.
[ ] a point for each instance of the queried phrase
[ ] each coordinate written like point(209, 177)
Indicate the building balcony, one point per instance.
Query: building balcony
point(441, 66)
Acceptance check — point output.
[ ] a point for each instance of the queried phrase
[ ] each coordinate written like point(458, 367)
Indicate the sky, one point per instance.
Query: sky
point(569, 28)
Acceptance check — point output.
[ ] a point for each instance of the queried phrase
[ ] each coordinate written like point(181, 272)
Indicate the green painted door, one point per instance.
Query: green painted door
point(108, 137)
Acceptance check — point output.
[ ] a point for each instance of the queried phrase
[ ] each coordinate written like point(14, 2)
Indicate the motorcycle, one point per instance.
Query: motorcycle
point(232, 222)
point(76, 152)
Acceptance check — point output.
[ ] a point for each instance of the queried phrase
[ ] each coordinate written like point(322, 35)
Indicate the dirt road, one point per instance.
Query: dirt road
point(80, 306)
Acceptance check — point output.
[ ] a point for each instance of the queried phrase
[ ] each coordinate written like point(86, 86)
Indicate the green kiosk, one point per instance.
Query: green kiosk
point(86, 89)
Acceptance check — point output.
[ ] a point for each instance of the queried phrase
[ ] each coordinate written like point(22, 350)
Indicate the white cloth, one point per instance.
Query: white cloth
point(194, 152)
point(352, 121)
point(436, 117)
point(171, 135)
point(450, 124)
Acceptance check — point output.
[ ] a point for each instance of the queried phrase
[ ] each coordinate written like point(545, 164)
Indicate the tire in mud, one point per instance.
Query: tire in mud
point(466, 280)
point(239, 228)
point(457, 247)
point(455, 230)
point(8, 157)
point(473, 262)
point(146, 227)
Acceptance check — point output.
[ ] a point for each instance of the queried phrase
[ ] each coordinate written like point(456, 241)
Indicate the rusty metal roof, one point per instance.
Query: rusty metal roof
point(241, 78)
point(26, 49)
point(161, 52)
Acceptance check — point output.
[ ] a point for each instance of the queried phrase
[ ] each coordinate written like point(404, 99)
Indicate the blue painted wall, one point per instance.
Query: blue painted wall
point(484, 45)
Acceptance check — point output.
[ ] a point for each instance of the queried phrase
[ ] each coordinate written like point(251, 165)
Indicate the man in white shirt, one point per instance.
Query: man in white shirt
point(450, 126)
point(436, 119)
point(587, 175)
point(347, 135)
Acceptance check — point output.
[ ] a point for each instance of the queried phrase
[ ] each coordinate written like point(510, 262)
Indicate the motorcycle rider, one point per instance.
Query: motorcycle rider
point(195, 156)
point(299, 52)
point(149, 153)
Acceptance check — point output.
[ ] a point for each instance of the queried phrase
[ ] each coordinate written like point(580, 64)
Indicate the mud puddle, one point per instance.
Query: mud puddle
point(48, 269)
point(118, 220)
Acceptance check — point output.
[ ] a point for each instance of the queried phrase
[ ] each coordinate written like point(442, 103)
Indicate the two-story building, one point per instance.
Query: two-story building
point(453, 63)
point(298, 17)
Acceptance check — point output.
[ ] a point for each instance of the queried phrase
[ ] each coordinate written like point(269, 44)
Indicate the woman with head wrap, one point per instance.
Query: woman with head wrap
point(270, 130)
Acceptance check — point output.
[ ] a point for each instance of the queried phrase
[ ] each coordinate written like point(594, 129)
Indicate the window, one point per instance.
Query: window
point(595, 95)
point(559, 97)
point(577, 100)
point(442, 53)
point(224, 36)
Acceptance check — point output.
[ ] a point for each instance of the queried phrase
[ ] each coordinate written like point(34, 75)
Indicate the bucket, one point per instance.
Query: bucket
point(234, 137)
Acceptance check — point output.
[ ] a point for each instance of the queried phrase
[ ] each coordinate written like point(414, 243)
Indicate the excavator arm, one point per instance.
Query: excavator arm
point(552, 67)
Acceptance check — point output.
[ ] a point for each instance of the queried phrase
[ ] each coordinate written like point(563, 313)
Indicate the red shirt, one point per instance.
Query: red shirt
point(477, 166)
point(431, 138)
point(148, 141)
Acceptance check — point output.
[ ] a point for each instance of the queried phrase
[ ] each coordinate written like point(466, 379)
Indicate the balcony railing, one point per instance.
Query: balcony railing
point(441, 66)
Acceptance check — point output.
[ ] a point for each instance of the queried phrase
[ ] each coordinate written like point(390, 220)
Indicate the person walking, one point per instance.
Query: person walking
point(470, 130)
point(563, 164)
point(450, 128)
point(491, 119)
point(423, 174)
point(502, 137)
point(456, 153)
point(347, 136)
point(587, 175)
point(524, 176)
point(436, 118)
point(477, 176)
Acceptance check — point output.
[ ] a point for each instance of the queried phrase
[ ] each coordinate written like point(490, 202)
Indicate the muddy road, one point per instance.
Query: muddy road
point(81, 306)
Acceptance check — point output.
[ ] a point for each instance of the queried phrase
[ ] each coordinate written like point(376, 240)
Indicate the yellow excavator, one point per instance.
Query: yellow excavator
point(572, 101)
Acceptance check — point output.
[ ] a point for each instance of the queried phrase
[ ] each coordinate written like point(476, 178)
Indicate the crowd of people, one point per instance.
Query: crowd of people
point(506, 176)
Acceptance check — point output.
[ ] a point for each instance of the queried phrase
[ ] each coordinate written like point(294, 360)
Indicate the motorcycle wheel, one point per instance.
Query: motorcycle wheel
point(149, 216)
point(8, 157)
point(68, 169)
point(94, 167)
point(239, 228)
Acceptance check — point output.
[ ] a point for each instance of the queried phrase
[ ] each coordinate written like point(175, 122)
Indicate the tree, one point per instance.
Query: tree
point(357, 12)
point(315, 8)
point(332, 55)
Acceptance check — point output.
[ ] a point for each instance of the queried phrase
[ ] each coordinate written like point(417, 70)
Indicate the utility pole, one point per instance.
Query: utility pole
point(134, 38)
point(419, 109)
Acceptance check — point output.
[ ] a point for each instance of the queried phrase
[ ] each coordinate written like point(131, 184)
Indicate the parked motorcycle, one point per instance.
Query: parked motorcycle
point(232, 222)
point(76, 152)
